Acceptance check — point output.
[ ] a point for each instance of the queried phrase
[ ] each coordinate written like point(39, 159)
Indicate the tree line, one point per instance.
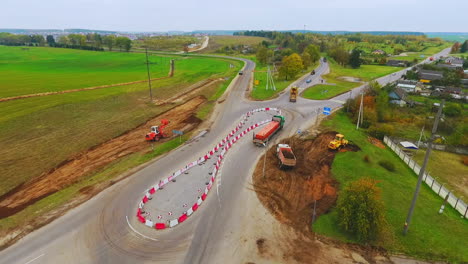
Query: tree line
point(91, 41)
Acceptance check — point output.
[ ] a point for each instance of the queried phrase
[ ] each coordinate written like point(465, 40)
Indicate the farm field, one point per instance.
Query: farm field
point(65, 124)
point(39, 70)
point(431, 236)
point(166, 43)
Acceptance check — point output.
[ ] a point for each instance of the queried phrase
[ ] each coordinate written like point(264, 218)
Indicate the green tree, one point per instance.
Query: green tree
point(361, 210)
point(355, 59)
point(63, 40)
point(109, 41)
point(306, 59)
point(123, 43)
point(314, 52)
point(453, 110)
point(262, 54)
point(290, 66)
point(464, 47)
point(50, 40)
point(340, 55)
point(455, 47)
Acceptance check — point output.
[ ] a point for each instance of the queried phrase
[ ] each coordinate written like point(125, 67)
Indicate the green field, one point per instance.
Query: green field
point(448, 169)
point(217, 42)
point(38, 70)
point(166, 43)
point(364, 73)
point(432, 236)
point(64, 124)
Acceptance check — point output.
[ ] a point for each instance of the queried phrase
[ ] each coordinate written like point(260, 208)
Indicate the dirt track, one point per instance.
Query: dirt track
point(96, 158)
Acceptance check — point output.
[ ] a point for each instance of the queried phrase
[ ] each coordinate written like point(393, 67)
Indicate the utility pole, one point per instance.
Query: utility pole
point(361, 114)
point(423, 168)
point(421, 135)
point(149, 76)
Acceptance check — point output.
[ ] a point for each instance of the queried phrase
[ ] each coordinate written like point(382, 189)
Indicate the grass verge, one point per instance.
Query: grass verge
point(432, 236)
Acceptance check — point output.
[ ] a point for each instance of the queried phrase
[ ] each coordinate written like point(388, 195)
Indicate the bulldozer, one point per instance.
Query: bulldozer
point(338, 143)
point(157, 132)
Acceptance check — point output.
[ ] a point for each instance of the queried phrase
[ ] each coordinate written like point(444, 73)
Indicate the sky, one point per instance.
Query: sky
point(185, 15)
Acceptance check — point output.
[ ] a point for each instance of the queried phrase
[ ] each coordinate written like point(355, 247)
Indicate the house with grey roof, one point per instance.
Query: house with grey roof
point(426, 76)
point(398, 96)
point(458, 62)
point(398, 63)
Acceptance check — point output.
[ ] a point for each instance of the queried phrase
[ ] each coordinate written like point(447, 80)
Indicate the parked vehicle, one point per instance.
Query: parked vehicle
point(157, 132)
point(338, 142)
point(286, 156)
point(268, 131)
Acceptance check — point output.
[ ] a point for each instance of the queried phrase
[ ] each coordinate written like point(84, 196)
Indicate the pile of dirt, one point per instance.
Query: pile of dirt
point(70, 171)
point(290, 195)
point(376, 142)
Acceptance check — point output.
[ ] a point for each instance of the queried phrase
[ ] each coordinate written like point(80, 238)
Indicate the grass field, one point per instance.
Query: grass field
point(64, 124)
point(166, 43)
point(50, 69)
point(365, 73)
point(432, 236)
point(448, 169)
point(217, 42)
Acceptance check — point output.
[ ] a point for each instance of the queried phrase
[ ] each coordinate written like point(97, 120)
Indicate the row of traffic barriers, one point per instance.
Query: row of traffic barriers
point(224, 145)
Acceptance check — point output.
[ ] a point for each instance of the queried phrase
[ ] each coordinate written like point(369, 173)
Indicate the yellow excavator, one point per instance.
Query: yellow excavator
point(338, 142)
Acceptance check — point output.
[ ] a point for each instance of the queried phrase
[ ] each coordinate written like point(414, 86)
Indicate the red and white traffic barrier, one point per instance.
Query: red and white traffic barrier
point(225, 141)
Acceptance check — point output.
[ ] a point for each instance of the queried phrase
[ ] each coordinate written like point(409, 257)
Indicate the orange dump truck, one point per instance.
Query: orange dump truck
point(268, 131)
point(286, 156)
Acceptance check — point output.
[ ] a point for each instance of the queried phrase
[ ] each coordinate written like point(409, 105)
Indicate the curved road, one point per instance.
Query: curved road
point(105, 230)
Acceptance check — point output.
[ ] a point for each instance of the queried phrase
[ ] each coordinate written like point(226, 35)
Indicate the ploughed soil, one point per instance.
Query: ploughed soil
point(290, 196)
point(181, 118)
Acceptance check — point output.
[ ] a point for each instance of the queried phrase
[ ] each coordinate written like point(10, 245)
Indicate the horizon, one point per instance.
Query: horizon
point(155, 16)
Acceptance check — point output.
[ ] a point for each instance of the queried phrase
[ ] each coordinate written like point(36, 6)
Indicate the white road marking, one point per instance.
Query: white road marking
point(134, 230)
point(34, 259)
point(337, 101)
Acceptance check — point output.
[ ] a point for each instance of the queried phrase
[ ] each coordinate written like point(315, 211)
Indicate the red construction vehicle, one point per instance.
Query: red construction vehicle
point(157, 132)
point(286, 156)
point(264, 135)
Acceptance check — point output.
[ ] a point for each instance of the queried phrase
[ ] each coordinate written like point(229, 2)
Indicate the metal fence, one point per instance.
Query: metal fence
point(438, 188)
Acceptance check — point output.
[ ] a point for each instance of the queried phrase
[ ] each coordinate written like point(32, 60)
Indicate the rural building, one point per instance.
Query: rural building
point(397, 63)
point(425, 92)
point(427, 76)
point(398, 96)
point(453, 90)
point(464, 83)
point(409, 86)
point(454, 61)
point(378, 52)
point(447, 66)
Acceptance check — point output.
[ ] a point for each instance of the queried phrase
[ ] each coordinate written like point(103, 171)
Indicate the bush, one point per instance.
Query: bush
point(361, 211)
point(366, 159)
point(465, 160)
point(387, 165)
point(381, 130)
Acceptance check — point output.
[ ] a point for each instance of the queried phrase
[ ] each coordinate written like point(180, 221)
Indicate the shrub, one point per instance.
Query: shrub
point(380, 130)
point(361, 211)
point(465, 160)
point(387, 165)
point(366, 159)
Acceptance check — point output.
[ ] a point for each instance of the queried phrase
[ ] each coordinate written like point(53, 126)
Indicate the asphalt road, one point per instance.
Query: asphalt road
point(105, 230)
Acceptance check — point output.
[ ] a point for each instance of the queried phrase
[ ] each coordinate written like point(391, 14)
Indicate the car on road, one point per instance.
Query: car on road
point(241, 72)
point(308, 80)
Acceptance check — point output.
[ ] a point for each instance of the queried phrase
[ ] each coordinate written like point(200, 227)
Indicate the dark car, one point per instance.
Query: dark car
point(312, 73)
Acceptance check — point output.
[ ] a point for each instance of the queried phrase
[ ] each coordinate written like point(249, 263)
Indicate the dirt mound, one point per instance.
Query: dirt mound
point(290, 195)
point(181, 118)
point(376, 142)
